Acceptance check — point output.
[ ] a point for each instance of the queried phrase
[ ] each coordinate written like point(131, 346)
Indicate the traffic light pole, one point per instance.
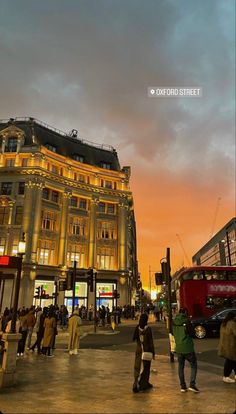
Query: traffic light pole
point(73, 286)
point(170, 330)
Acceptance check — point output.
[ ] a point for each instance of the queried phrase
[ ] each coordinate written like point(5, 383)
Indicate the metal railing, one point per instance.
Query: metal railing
point(105, 147)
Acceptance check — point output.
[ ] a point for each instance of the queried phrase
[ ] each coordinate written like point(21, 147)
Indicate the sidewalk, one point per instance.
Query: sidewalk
point(100, 381)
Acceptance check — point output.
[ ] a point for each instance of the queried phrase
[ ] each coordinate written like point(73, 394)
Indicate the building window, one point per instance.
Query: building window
point(107, 208)
point(2, 245)
point(11, 145)
point(106, 230)
point(74, 201)
point(46, 252)
point(82, 203)
point(49, 219)
point(81, 178)
point(51, 147)
point(55, 196)
point(76, 253)
point(10, 162)
point(105, 258)
point(4, 214)
point(102, 207)
point(21, 188)
point(6, 188)
point(110, 208)
point(78, 157)
point(106, 165)
point(55, 169)
point(24, 162)
point(15, 245)
point(45, 194)
point(77, 226)
point(108, 184)
point(19, 215)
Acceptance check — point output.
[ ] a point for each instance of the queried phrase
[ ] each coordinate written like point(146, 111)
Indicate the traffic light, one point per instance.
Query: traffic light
point(90, 279)
point(62, 285)
point(116, 295)
point(165, 272)
point(37, 292)
point(159, 278)
point(43, 293)
point(69, 280)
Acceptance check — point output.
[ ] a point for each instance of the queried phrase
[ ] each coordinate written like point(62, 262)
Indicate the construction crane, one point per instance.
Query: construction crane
point(215, 216)
point(182, 247)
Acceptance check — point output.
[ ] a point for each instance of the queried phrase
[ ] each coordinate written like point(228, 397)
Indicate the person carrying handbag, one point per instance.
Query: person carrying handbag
point(144, 354)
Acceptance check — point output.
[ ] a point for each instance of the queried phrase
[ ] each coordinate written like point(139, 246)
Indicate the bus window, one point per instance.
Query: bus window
point(218, 302)
point(231, 275)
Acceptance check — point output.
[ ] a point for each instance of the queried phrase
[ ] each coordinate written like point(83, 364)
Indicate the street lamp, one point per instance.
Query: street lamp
point(21, 252)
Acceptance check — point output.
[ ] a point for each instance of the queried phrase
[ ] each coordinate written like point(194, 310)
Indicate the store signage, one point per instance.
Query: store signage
point(106, 294)
point(10, 261)
point(222, 289)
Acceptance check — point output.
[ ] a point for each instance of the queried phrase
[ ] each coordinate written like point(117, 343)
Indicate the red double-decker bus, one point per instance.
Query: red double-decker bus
point(203, 290)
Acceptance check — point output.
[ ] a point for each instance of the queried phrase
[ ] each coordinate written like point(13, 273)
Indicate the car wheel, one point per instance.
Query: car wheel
point(200, 331)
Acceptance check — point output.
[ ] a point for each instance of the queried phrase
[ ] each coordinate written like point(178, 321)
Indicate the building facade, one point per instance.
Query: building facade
point(220, 250)
point(72, 201)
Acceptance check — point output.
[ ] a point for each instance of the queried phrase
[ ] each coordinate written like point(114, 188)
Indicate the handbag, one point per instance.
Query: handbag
point(172, 342)
point(147, 356)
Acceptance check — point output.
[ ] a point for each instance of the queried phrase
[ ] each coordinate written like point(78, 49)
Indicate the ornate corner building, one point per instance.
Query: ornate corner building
point(73, 202)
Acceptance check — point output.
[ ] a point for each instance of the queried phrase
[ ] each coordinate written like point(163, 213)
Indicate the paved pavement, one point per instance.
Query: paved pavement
point(100, 381)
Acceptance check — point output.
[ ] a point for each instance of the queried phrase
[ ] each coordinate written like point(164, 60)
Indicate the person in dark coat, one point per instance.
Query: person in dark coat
point(41, 315)
point(144, 354)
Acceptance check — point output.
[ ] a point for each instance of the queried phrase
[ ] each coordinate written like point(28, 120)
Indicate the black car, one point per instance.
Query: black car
point(210, 325)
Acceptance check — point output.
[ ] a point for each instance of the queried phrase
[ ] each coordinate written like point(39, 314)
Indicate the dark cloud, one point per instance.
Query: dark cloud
point(87, 65)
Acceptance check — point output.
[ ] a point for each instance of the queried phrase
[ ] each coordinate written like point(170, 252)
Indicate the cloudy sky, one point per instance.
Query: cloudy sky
point(87, 65)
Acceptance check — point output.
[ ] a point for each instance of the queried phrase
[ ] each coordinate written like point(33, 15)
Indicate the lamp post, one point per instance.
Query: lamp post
point(21, 252)
point(166, 269)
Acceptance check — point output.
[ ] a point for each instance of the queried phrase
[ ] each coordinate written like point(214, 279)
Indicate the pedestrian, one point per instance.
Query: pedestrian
point(39, 328)
point(30, 325)
point(144, 354)
point(183, 332)
point(75, 332)
point(49, 332)
point(227, 346)
point(23, 331)
point(9, 324)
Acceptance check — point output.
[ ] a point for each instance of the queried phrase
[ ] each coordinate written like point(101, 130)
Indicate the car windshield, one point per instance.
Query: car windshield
point(224, 313)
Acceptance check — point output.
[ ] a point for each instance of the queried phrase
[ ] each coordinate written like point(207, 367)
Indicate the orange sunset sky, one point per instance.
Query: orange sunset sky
point(88, 65)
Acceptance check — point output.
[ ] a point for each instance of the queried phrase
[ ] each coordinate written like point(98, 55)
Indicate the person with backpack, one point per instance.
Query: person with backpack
point(183, 333)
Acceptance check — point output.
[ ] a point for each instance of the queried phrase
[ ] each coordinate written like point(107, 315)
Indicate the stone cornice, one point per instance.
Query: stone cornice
point(76, 185)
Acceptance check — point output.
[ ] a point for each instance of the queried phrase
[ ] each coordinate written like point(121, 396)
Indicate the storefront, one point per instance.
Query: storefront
point(105, 294)
point(48, 288)
point(81, 296)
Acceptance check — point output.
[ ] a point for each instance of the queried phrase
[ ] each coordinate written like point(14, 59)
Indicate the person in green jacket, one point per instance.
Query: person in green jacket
point(183, 332)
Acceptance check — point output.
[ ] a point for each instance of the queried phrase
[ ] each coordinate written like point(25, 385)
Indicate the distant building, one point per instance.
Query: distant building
point(220, 249)
point(73, 202)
